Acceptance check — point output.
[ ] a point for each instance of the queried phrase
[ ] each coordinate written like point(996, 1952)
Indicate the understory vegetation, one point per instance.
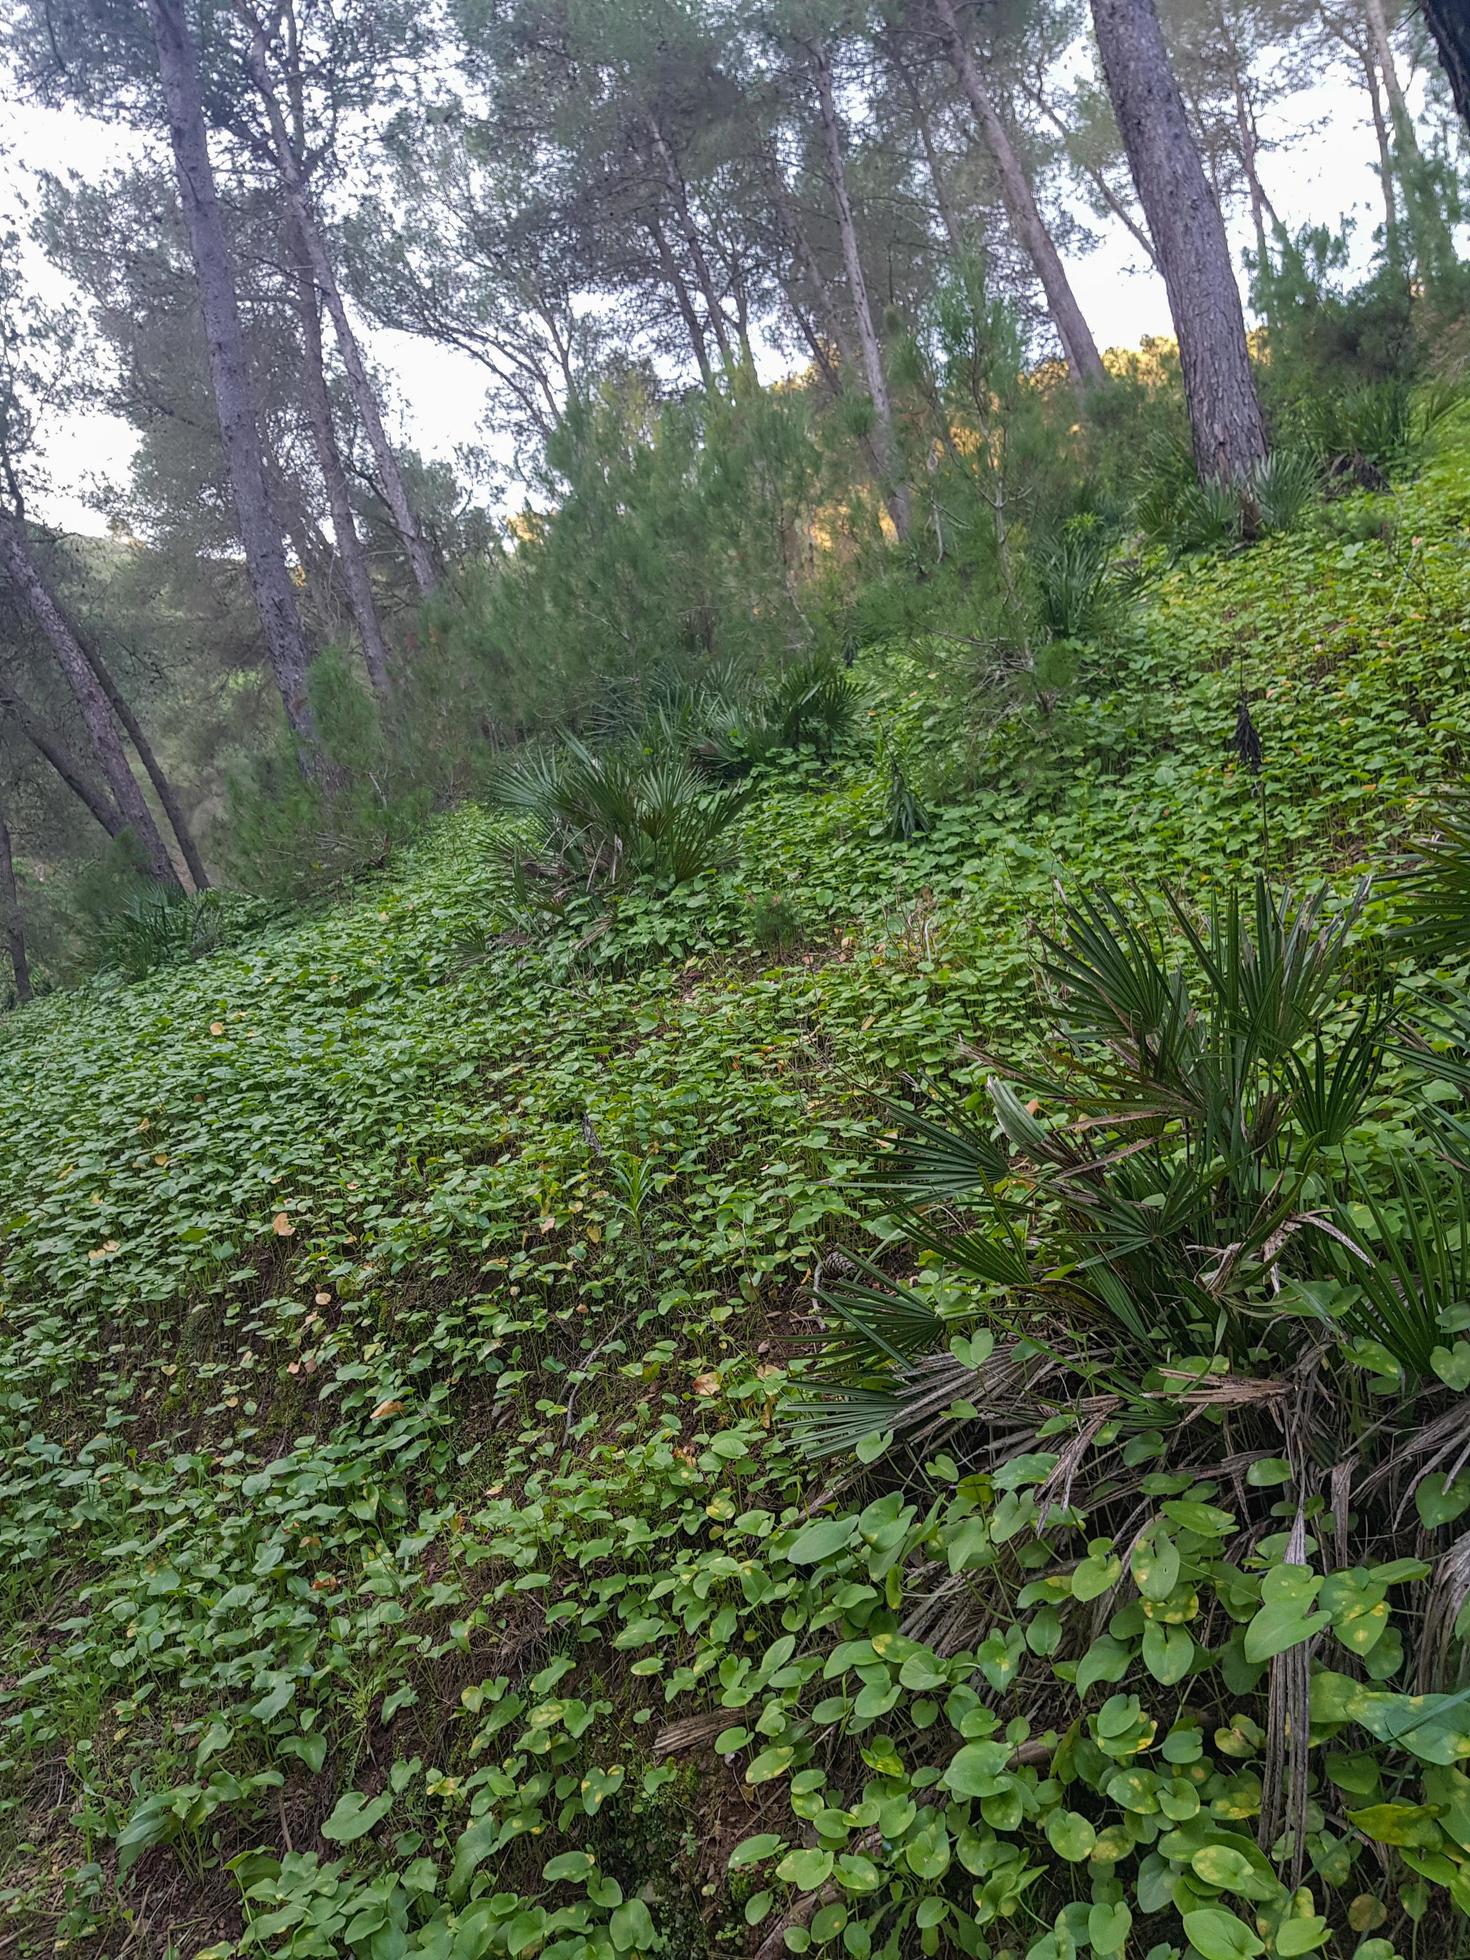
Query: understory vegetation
point(830, 1323)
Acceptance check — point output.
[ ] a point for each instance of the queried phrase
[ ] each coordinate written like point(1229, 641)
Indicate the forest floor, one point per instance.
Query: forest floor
point(395, 1497)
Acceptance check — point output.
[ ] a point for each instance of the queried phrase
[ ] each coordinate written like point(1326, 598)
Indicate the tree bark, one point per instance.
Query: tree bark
point(15, 931)
point(96, 710)
point(895, 491)
point(178, 823)
point(1428, 234)
point(669, 266)
point(1398, 108)
point(1449, 27)
point(265, 559)
point(679, 195)
point(339, 501)
point(1184, 220)
point(360, 387)
point(931, 155)
point(1391, 240)
point(1250, 143)
point(1025, 214)
point(49, 745)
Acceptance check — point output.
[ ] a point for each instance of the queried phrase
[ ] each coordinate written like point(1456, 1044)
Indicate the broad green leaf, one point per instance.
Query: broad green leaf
point(806, 1868)
point(977, 1769)
point(1219, 1935)
point(824, 1538)
point(354, 1815)
point(1071, 1836)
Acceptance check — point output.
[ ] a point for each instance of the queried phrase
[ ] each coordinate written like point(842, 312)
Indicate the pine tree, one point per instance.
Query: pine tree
point(1184, 221)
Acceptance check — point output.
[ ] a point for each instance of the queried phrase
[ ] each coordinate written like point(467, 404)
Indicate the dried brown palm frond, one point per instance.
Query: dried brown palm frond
point(1441, 1661)
point(1285, 1777)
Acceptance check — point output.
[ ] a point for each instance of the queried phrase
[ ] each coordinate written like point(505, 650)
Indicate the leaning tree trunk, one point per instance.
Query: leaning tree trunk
point(163, 788)
point(1184, 221)
point(1403, 122)
point(359, 385)
point(96, 711)
point(947, 215)
point(896, 493)
point(1391, 241)
point(339, 501)
point(265, 558)
point(1024, 213)
point(49, 745)
point(1429, 234)
point(1448, 22)
point(15, 931)
point(829, 314)
point(679, 196)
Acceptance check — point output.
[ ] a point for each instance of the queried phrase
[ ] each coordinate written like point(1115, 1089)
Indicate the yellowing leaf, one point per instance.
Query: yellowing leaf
point(281, 1225)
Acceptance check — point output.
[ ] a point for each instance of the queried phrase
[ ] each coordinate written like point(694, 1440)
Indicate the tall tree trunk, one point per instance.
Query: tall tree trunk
point(895, 491)
point(1250, 144)
point(829, 314)
point(1398, 108)
point(679, 195)
point(15, 931)
point(1448, 22)
point(360, 387)
point(15, 555)
point(828, 311)
point(1360, 47)
point(931, 155)
point(49, 745)
point(1224, 411)
point(265, 559)
point(178, 823)
point(1428, 233)
point(350, 551)
point(1025, 214)
point(1391, 241)
point(669, 266)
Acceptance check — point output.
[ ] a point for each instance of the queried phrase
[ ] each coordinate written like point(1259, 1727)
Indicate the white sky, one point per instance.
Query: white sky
point(1325, 173)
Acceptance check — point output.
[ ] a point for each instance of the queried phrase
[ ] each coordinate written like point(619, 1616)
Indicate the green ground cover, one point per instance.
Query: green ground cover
point(402, 1547)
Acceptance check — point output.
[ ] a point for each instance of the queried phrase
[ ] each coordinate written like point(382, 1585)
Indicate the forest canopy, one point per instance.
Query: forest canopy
point(735, 1129)
point(775, 314)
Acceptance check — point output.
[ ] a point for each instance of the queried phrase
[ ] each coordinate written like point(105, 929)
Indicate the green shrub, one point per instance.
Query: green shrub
point(1284, 488)
point(810, 706)
point(156, 927)
point(1176, 510)
point(1075, 595)
point(1177, 1331)
point(599, 820)
point(286, 838)
point(775, 925)
point(1378, 430)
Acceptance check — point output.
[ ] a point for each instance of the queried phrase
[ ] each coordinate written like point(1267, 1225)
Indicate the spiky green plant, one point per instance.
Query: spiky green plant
point(1283, 488)
point(157, 927)
point(600, 819)
point(1076, 597)
point(810, 706)
point(1175, 1178)
point(1381, 427)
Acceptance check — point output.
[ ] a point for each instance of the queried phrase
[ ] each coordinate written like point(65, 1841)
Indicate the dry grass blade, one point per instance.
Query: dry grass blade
point(1285, 1777)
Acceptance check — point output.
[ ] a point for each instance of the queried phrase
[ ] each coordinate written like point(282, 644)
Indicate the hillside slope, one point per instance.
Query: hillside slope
point(396, 1505)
